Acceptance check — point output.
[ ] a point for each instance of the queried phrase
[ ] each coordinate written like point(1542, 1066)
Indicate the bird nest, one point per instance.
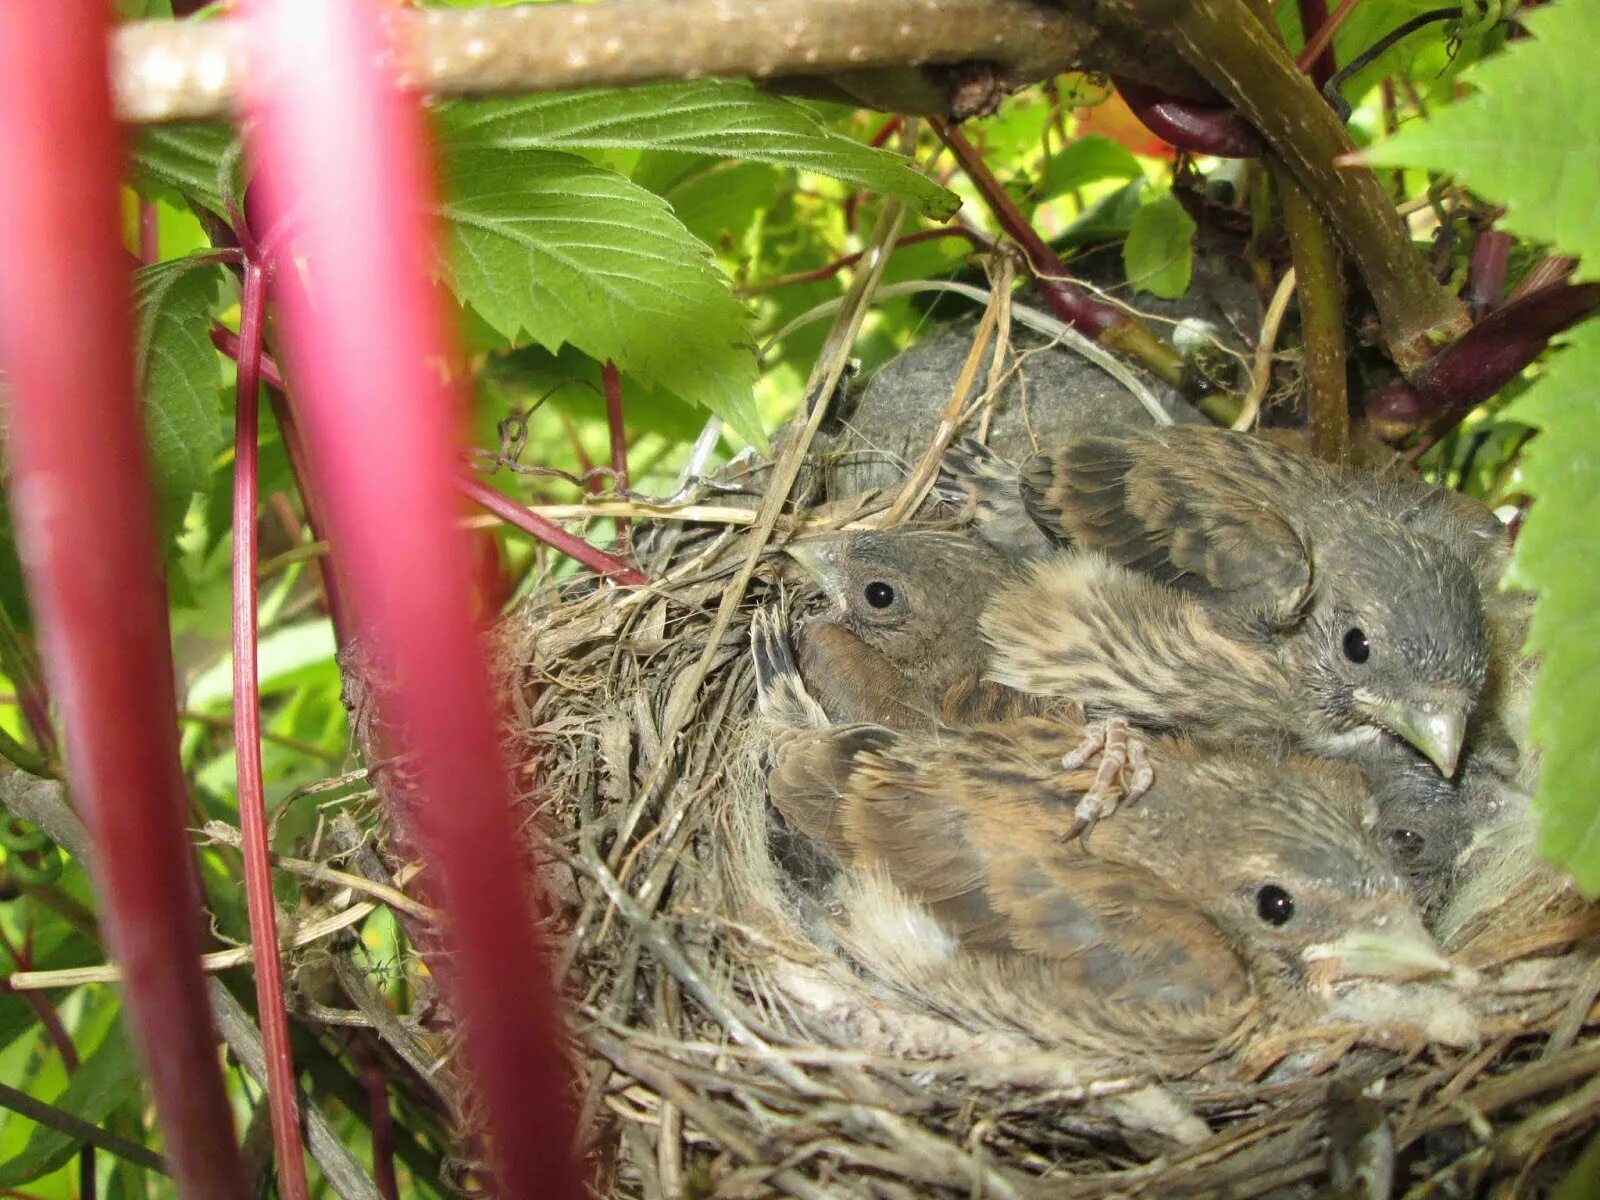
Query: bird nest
point(731, 1051)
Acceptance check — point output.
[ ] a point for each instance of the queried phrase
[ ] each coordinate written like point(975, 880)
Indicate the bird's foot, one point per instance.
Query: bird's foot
point(1118, 750)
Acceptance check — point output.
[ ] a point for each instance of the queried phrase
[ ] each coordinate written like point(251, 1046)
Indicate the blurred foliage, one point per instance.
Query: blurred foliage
point(676, 229)
point(1547, 177)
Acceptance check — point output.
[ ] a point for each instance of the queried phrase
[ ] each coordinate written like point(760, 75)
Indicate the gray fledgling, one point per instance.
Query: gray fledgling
point(1377, 629)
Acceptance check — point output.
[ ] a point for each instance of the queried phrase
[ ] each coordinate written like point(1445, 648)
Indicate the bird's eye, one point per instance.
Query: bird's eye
point(1274, 905)
point(1407, 844)
point(880, 594)
point(1356, 648)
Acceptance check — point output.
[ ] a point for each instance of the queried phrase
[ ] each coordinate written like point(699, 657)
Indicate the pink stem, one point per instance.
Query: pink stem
point(549, 532)
point(612, 382)
point(284, 1108)
point(149, 233)
point(1486, 271)
point(86, 524)
point(366, 331)
point(1316, 58)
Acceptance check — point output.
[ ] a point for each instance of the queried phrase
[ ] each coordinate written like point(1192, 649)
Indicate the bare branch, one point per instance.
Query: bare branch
point(191, 70)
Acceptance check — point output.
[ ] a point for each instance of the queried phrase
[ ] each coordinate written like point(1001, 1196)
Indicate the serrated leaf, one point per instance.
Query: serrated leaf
point(1558, 555)
point(188, 159)
point(554, 247)
point(1159, 252)
point(179, 375)
point(1088, 160)
point(107, 1077)
point(1529, 137)
point(720, 117)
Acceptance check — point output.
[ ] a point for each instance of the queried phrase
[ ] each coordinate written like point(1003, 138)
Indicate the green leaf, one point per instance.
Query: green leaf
point(718, 117)
point(179, 376)
point(287, 655)
point(551, 246)
point(1159, 252)
point(108, 1077)
point(188, 159)
point(1529, 138)
point(1558, 555)
point(1089, 160)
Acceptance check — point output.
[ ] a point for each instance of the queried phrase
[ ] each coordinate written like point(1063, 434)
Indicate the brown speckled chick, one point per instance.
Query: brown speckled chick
point(901, 647)
point(1241, 889)
point(1316, 614)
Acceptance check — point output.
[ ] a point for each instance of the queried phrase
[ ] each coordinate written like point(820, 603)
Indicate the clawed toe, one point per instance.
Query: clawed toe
point(1118, 751)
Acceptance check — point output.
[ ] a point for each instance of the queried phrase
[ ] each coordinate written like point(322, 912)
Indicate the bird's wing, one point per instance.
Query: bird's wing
point(1204, 510)
point(983, 487)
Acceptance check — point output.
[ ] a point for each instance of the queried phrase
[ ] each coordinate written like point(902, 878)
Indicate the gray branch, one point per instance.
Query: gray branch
point(189, 70)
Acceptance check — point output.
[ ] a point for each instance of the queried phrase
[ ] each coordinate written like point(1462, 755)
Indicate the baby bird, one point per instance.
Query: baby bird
point(1241, 889)
point(1375, 631)
point(901, 648)
point(903, 629)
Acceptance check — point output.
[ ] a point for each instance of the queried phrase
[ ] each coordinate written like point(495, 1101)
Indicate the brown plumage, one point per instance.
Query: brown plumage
point(902, 629)
point(900, 647)
point(1240, 887)
point(1330, 578)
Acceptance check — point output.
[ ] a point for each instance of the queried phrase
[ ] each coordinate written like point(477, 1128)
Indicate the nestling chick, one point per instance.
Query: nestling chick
point(1381, 625)
point(902, 649)
point(1240, 889)
point(904, 625)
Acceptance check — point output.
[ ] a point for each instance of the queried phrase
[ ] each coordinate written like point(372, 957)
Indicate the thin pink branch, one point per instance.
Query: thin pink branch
point(549, 532)
point(282, 1103)
point(611, 380)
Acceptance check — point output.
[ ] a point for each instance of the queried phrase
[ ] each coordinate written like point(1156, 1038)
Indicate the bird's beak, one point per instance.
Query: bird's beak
point(1436, 727)
point(818, 558)
point(1402, 951)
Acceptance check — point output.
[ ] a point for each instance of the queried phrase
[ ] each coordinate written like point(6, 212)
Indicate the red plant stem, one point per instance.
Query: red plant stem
point(1486, 271)
point(86, 524)
point(294, 449)
point(548, 532)
point(611, 380)
point(1483, 360)
point(1212, 129)
point(149, 232)
point(366, 331)
point(844, 263)
point(1106, 323)
point(381, 1120)
point(508, 510)
point(1316, 56)
point(284, 1109)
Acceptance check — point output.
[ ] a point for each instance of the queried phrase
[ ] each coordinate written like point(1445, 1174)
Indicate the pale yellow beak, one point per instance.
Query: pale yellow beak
point(1403, 950)
point(1435, 727)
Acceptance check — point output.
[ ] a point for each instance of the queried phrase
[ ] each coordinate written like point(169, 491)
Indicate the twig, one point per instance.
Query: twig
point(1320, 283)
point(1035, 320)
point(549, 533)
point(187, 70)
point(260, 905)
point(611, 380)
point(1316, 57)
point(1103, 322)
point(829, 270)
point(219, 960)
point(322, 873)
point(80, 1130)
point(1261, 368)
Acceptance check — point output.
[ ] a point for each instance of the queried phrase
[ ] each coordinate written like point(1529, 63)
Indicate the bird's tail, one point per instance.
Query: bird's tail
point(781, 692)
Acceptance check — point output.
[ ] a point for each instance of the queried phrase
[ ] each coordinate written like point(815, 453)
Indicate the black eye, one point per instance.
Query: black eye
point(880, 595)
point(1274, 905)
point(1407, 844)
point(1355, 646)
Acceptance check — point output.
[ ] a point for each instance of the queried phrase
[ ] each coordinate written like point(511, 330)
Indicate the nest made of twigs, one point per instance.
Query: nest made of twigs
point(731, 1050)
